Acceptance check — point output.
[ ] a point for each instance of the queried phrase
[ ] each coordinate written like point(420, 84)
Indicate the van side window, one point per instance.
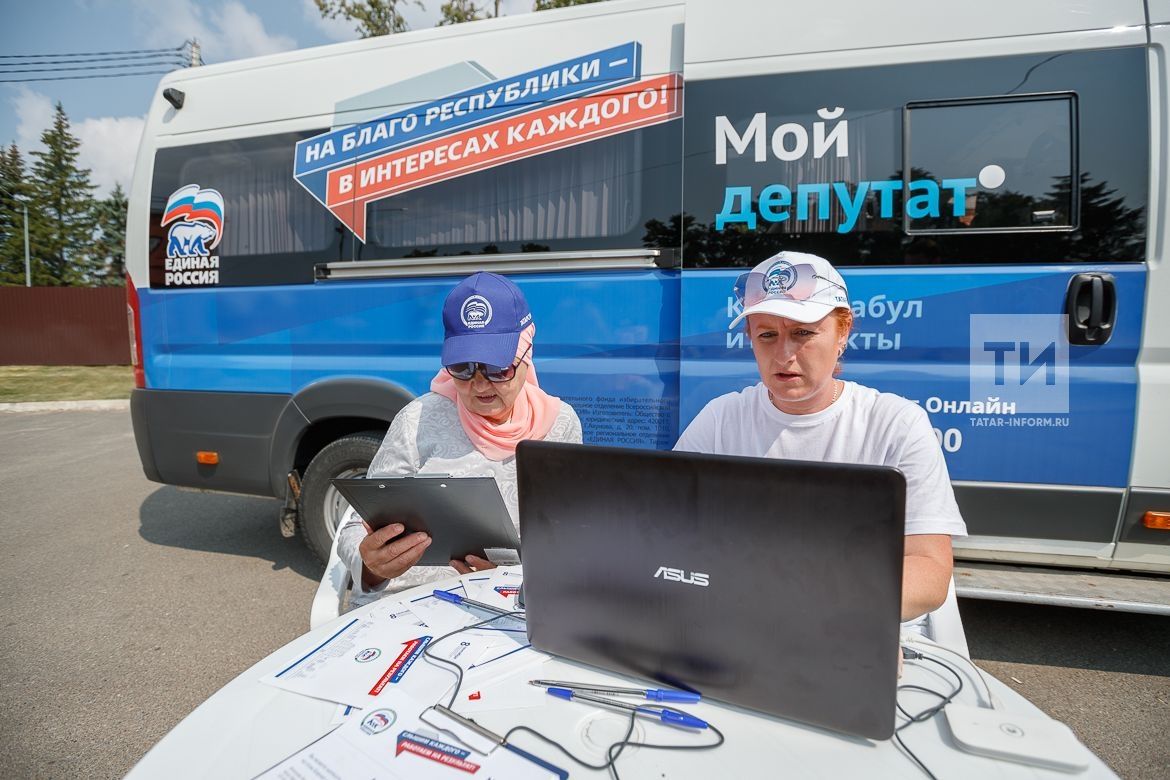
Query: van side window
point(273, 232)
point(1034, 158)
point(1011, 160)
point(608, 193)
point(593, 190)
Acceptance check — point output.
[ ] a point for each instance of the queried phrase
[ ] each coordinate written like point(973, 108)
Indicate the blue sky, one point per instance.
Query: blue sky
point(107, 114)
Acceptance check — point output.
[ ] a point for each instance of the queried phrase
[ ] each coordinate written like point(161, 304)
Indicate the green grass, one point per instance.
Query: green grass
point(65, 383)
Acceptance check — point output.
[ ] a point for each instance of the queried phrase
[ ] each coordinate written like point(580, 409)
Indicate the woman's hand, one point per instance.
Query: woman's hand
point(383, 559)
point(471, 563)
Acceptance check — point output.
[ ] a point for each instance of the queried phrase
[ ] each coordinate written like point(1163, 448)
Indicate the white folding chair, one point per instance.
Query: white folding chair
point(945, 626)
point(332, 591)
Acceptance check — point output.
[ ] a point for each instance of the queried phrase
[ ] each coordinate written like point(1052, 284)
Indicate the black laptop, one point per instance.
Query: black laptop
point(775, 585)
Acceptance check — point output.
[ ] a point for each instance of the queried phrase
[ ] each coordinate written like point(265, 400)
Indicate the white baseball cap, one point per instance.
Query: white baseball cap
point(793, 285)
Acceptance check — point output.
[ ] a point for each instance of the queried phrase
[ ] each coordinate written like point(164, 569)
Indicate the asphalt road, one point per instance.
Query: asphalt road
point(127, 603)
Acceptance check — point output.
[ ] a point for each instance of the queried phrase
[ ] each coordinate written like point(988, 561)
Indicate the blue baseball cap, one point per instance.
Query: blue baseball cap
point(482, 320)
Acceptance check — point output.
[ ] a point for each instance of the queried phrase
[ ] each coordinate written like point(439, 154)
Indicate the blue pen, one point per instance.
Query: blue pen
point(650, 694)
point(671, 717)
point(455, 598)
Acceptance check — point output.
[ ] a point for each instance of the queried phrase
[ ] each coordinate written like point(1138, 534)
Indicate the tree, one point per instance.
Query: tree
point(1109, 229)
point(14, 195)
point(548, 5)
point(109, 245)
point(458, 11)
point(63, 223)
point(373, 17)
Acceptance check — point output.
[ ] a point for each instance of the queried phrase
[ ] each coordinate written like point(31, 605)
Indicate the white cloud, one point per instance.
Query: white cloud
point(109, 144)
point(338, 30)
point(243, 35)
point(34, 114)
point(227, 32)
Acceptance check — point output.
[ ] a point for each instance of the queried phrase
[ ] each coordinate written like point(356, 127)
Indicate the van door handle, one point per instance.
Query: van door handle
point(1091, 305)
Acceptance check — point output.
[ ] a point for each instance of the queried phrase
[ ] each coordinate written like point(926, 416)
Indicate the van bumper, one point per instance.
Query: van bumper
point(170, 426)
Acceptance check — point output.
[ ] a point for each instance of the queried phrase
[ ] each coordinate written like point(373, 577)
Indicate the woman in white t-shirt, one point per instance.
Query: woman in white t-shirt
point(798, 321)
point(483, 402)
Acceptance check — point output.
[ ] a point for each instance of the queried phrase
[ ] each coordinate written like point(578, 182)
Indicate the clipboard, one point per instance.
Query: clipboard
point(463, 515)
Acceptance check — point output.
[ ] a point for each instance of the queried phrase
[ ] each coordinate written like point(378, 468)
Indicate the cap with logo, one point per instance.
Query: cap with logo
point(793, 285)
point(482, 320)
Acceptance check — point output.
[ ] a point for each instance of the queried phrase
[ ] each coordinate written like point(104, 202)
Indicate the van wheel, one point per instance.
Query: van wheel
point(321, 507)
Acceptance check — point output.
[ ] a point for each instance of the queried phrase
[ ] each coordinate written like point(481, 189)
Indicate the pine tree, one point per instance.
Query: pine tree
point(13, 198)
point(63, 223)
point(109, 244)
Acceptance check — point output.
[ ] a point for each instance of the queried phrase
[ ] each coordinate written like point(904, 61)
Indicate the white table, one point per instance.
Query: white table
point(248, 726)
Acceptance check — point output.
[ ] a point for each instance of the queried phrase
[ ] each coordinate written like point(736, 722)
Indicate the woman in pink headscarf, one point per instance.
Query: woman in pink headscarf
point(483, 402)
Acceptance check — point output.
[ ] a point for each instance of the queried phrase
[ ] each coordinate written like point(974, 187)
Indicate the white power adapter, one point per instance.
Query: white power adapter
point(1039, 742)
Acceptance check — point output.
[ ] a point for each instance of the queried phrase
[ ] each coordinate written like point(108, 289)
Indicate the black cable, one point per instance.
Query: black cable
point(68, 68)
point(929, 712)
point(974, 668)
point(945, 699)
point(459, 669)
point(626, 742)
point(133, 59)
point(916, 759)
point(579, 761)
point(94, 76)
point(614, 751)
point(94, 53)
point(611, 755)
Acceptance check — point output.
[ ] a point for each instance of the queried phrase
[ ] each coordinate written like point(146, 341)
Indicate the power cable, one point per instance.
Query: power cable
point(141, 59)
point(94, 76)
point(94, 53)
point(127, 62)
point(91, 67)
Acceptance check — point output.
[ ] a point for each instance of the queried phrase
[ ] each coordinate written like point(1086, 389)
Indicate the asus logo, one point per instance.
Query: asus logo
point(678, 575)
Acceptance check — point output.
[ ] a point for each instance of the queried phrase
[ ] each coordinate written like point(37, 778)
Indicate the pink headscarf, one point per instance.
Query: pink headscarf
point(532, 415)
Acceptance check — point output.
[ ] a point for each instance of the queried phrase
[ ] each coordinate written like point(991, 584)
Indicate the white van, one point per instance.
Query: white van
point(987, 177)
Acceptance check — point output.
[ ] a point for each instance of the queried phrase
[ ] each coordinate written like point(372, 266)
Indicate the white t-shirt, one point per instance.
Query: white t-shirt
point(427, 437)
point(862, 426)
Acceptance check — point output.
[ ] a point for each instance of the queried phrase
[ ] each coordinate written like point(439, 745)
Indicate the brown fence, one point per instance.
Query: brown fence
point(63, 326)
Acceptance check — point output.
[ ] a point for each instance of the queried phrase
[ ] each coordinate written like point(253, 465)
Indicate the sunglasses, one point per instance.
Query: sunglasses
point(794, 283)
point(465, 371)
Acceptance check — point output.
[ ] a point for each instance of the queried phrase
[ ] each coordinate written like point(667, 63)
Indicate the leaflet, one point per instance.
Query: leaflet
point(504, 642)
point(499, 587)
point(378, 652)
point(394, 742)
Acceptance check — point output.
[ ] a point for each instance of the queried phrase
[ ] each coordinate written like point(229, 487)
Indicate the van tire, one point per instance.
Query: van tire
point(321, 508)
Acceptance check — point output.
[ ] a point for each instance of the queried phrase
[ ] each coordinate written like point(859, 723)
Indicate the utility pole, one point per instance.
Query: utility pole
point(196, 56)
point(27, 265)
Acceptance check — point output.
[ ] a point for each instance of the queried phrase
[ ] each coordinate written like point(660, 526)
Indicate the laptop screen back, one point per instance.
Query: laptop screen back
point(775, 585)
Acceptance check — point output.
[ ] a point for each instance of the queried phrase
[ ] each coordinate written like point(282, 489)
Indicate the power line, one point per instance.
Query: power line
point(121, 63)
point(94, 53)
point(131, 59)
point(66, 69)
point(92, 67)
point(94, 76)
